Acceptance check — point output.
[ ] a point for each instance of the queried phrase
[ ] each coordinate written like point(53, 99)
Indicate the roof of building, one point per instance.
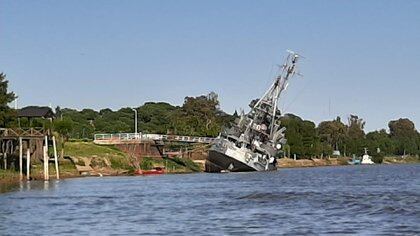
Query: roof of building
point(36, 111)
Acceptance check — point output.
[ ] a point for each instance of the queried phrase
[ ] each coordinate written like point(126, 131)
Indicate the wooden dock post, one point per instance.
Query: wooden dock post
point(5, 160)
point(28, 164)
point(20, 159)
point(45, 168)
point(46, 160)
point(5, 155)
point(56, 158)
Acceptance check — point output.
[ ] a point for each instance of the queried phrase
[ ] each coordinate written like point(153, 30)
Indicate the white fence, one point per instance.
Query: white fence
point(127, 137)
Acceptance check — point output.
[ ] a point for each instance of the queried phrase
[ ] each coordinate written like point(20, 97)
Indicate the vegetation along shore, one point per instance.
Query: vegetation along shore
point(330, 142)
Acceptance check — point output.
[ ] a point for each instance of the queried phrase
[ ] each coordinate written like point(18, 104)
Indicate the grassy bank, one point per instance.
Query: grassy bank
point(175, 165)
point(401, 160)
point(290, 163)
point(8, 180)
point(109, 160)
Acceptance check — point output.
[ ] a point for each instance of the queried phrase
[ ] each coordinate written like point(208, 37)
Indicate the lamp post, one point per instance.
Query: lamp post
point(135, 121)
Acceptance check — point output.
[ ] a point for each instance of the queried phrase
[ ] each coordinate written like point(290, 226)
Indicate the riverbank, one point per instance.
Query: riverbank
point(314, 162)
point(291, 163)
point(401, 160)
point(92, 159)
point(8, 180)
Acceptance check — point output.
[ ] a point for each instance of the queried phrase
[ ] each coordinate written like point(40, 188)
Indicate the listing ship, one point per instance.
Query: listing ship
point(255, 140)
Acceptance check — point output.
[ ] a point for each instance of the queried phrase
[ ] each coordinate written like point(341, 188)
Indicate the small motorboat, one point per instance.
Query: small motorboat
point(354, 161)
point(154, 171)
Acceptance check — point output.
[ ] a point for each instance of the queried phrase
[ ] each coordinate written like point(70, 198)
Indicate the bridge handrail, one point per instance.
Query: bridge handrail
point(143, 136)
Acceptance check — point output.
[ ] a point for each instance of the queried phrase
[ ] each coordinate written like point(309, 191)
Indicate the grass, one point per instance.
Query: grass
point(120, 160)
point(8, 175)
point(398, 159)
point(172, 165)
point(88, 149)
point(98, 153)
point(8, 180)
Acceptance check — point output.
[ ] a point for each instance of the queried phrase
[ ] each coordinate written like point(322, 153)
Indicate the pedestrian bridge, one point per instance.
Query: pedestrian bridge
point(121, 138)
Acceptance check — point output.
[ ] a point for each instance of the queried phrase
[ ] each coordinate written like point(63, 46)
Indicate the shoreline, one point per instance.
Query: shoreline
point(313, 162)
point(10, 179)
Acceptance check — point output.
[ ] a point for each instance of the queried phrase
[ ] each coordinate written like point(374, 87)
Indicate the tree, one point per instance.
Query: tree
point(333, 133)
point(301, 136)
point(7, 115)
point(64, 128)
point(404, 134)
point(354, 142)
point(199, 116)
point(58, 112)
point(380, 144)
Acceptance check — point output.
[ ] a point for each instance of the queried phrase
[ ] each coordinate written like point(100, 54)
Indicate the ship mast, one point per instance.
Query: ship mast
point(271, 96)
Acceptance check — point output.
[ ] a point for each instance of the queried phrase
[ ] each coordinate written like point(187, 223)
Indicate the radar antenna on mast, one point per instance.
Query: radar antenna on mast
point(269, 100)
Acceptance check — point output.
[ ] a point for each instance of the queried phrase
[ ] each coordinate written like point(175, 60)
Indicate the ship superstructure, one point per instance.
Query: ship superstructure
point(256, 138)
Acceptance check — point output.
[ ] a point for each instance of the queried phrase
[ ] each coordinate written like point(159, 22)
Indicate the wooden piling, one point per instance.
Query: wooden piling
point(43, 156)
point(20, 159)
point(46, 160)
point(56, 158)
point(5, 155)
point(5, 160)
point(46, 171)
point(28, 163)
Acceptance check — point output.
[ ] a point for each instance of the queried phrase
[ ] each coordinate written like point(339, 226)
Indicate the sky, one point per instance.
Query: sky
point(361, 57)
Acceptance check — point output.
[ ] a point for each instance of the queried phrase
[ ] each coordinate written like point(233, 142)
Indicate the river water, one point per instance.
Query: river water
point(382, 199)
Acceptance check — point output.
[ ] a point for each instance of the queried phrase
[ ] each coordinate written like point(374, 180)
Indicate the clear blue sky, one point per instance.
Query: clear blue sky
point(363, 56)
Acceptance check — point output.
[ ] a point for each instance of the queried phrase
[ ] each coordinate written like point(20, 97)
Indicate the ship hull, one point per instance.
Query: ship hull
point(218, 162)
point(224, 155)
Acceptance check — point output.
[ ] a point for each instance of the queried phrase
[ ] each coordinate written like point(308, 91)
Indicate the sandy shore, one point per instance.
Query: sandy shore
point(290, 163)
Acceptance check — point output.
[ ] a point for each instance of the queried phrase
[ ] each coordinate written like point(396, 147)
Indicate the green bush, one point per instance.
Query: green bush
point(147, 163)
point(120, 163)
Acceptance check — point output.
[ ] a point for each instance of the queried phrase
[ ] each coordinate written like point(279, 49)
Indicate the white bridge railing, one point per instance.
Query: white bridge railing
point(127, 137)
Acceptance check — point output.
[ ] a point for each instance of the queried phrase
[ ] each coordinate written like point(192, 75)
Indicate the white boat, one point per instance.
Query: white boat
point(366, 159)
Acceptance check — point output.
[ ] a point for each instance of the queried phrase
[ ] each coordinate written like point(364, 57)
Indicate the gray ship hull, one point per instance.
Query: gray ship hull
point(217, 162)
point(225, 156)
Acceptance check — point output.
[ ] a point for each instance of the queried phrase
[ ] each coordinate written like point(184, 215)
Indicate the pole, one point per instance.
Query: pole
point(20, 159)
point(56, 158)
point(135, 121)
point(5, 155)
point(28, 163)
point(8, 148)
point(43, 155)
point(46, 171)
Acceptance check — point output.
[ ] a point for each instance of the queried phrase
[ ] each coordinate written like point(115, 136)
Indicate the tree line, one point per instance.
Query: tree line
point(198, 116)
point(305, 139)
point(202, 116)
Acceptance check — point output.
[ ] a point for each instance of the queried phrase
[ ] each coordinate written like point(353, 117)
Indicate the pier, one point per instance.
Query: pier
point(22, 145)
point(19, 146)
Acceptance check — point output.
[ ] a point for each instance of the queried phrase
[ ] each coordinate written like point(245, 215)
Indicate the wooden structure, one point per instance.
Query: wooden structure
point(34, 112)
point(15, 142)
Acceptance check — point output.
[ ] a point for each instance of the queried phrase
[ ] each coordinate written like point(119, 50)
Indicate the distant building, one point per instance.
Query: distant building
point(36, 112)
point(33, 113)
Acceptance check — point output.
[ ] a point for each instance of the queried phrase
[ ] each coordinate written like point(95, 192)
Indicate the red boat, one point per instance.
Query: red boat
point(154, 171)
